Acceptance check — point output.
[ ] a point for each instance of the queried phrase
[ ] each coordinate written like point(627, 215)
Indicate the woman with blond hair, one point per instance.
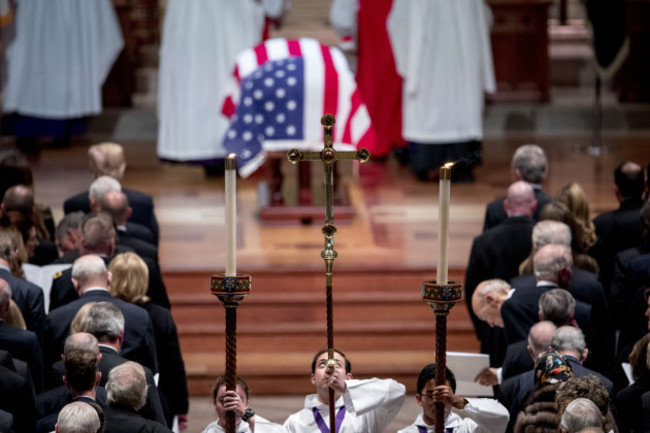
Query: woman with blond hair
point(129, 283)
point(573, 196)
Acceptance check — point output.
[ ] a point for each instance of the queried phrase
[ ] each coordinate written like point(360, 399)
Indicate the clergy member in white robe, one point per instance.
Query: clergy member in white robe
point(200, 42)
point(362, 406)
point(462, 415)
point(62, 52)
point(442, 51)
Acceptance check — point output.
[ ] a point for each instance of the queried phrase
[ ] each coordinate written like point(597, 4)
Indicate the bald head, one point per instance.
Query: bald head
point(19, 198)
point(487, 299)
point(553, 263)
point(116, 204)
point(520, 200)
point(82, 341)
point(539, 337)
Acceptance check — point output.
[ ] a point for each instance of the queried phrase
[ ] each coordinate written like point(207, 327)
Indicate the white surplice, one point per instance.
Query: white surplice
point(62, 52)
point(262, 425)
point(200, 42)
point(442, 50)
point(480, 415)
point(370, 406)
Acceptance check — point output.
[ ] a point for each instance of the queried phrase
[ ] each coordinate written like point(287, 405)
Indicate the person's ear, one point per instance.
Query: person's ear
point(129, 212)
point(98, 378)
point(585, 353)
point(418, 398)
point(313, 379)
point(348, 376)
point(75, 283)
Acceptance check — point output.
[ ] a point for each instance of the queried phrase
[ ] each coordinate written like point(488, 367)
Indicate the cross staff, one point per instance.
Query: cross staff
point(329, 156)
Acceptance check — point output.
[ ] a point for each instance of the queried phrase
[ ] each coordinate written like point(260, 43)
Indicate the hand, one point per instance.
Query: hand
point(183, 421)
point(232, 401)
point(335, 379)
point(487, 377)
point(444, 394)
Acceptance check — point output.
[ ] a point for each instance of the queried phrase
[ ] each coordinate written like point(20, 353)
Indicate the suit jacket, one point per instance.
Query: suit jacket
point(616, 230)
point(495, 213)
point(585, 287)
point(123, 419)
point(173, 380)
point(50, 403)
point(17, 399)
point(629, 407)
point(517, 360)
point(138, 231)
point(24, 345)
point(623, 285)
point(29, 299)
point(153, 409)
point(6, 422)
point(141, 247)
point(63, 291)
point(139, 342)
point(141, 203)
point(497, 253)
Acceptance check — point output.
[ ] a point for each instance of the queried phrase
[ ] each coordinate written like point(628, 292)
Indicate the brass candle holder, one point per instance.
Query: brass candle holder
point(230, 290)
point(441, 298)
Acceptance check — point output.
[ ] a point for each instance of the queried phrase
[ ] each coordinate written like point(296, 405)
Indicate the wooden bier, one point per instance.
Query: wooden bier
point(520, 50)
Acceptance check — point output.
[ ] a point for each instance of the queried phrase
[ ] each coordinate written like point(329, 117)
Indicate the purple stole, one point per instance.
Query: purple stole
point(424, 429)
point(321, 422)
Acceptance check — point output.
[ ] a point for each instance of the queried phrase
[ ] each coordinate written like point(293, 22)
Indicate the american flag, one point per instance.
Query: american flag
point(282, 89)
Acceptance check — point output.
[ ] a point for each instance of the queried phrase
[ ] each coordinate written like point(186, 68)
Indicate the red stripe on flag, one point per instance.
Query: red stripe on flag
point(236, 74)
point(355, 104)
point(260, 53)
point(294, 48)
point(331, 91)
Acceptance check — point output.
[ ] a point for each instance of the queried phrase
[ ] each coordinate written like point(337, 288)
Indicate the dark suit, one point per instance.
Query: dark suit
point(24, 345)
point(585, 287)
point(629, 407)
point(138, 231)
point(517, 360)
point(617, 230)
point(63, 291)
point(139, 342)
point(173, 381)
point(29, 299)
point(16, 398)
point(623, 285)
point(141, 247)
point(141, 203)
point(495, 213)
point(122, 419)
point(6, 422)
point(153, 409)
point(50, 403)
point(497, 253)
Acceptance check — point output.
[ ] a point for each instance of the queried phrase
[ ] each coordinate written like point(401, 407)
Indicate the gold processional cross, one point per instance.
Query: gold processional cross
point(329, 156)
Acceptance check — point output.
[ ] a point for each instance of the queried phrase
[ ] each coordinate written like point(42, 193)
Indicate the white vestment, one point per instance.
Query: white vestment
point(262, 425)
point(60, 57)
point(370, 405)
point(442, 50)
point(200, 42)
point(480, 415)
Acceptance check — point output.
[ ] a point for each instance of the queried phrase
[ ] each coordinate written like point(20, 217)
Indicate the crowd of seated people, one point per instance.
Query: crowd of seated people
point(559, 302)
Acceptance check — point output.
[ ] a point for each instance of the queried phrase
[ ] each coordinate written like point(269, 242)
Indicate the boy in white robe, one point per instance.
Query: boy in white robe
point(471, 415)
point(362, 406)
point(246, 421)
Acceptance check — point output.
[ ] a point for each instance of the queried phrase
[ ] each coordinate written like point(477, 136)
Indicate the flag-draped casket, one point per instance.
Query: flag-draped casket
point(281, 89)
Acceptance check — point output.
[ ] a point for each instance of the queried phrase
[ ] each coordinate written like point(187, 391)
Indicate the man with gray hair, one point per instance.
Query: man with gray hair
point(78, 417)
point(126, 388)
point(91, 279)
point(98, 236)
point(581, 414)
point(529, 164)
point(68, 234)
point(570, 342)
point(107, 159)
point(106, 322)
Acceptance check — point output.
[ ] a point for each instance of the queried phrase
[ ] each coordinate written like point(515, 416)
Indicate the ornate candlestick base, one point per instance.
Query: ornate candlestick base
point(230, 291)
point(441, 298)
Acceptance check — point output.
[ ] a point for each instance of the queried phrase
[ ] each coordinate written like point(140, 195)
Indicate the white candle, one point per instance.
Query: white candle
point(231, 216)
point(443, 225)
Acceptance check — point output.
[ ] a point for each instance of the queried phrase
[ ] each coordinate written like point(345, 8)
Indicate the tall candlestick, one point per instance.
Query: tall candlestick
point(443, 224)
point(231, 216)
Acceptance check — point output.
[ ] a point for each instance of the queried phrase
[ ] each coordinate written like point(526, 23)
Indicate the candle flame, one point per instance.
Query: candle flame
point(449, 164)
point(232, 155)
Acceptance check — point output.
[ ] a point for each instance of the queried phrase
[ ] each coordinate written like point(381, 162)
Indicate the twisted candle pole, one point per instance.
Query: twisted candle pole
point(230, 288)
point(329, 156)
